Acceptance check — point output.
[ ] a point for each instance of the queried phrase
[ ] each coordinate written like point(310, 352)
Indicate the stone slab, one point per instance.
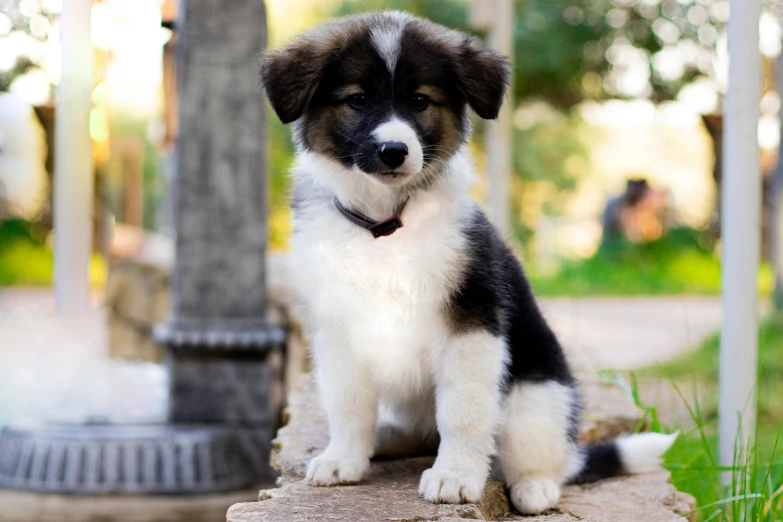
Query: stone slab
point(390, 494)
point(608, 413)
point(390, 491)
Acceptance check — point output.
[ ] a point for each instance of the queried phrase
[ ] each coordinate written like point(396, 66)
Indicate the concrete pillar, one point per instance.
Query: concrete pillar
point(73, 176)
point(776, 220)
point(217, 334)
point(499, 132)
point(741, 231)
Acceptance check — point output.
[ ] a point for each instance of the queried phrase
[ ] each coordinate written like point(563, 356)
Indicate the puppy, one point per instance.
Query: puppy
point(422, 320)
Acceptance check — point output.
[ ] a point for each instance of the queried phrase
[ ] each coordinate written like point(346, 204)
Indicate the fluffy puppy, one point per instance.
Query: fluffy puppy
point(422, 321)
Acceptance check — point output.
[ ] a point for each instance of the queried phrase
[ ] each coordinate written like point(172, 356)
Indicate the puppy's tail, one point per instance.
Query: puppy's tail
point(626, 455)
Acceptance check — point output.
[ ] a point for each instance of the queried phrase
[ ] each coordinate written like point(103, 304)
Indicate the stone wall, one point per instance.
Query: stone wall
point(138, 297)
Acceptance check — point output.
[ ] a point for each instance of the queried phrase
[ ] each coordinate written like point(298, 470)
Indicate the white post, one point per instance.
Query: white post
point(741, 231)
point(498, 136)
point(73, 176)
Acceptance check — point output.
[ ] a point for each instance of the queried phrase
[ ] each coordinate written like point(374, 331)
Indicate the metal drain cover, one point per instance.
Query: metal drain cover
point(90, 459)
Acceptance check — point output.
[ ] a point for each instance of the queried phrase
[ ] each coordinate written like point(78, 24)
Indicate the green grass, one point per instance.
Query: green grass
point(679, 263)
point(756, 490)
point(701, 366)
point(756, 475)
point(26, 259)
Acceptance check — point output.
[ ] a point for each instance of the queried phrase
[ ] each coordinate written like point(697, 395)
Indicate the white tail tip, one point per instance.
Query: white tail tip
point(642, 452)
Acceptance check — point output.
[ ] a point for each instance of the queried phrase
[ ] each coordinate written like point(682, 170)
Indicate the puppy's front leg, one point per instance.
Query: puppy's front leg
point(467, 378)
point(352, 407)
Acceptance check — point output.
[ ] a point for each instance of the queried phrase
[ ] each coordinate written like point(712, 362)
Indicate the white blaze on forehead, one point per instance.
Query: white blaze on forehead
point(398, 130)
point(386, 38)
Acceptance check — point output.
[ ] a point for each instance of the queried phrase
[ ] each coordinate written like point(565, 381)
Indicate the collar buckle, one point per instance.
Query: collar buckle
point(378, 229)
point(386, 228)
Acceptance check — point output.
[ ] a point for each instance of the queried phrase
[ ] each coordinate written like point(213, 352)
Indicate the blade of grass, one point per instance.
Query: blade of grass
point(727, 500)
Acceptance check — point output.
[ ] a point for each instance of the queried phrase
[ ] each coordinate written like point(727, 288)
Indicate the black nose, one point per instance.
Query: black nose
point(392, 153)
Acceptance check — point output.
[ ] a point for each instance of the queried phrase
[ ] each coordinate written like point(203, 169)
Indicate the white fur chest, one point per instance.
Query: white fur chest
point(381, 299)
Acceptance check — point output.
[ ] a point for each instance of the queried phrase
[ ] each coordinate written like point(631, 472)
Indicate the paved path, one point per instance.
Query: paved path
point(627, 333)
point(55, 367)
point(606, 333)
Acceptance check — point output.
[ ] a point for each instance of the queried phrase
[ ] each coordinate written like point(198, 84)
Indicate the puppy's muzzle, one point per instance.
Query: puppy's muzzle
point(392, 153)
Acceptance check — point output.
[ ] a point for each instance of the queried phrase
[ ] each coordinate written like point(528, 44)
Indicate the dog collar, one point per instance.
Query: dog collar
point(378, 229)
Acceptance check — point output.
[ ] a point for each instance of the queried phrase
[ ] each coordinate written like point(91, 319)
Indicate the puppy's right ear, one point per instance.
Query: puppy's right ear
point(290, 77)
point(482, 75)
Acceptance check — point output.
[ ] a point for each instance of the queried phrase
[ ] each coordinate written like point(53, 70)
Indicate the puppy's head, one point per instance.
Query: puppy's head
point(386, 94)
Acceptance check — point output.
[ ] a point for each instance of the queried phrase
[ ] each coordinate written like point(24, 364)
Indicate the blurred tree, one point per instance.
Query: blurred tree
point(571, 50)
point(24, 28)
point(451, 13)
point(595, 49)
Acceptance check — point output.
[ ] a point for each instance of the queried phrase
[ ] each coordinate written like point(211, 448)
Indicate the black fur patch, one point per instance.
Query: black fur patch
point(290, 78)
point(482, 75)
point(602, 461)
point(495, 295)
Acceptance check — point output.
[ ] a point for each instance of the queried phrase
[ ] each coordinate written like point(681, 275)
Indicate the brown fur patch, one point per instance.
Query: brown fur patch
point(291, 75)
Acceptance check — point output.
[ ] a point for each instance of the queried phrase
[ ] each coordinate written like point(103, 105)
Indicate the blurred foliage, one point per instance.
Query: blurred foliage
point(572, 50)
point(7, 77)
point(549, 157)
point(280, 160)
point(111, 184)
point(35, 30)
point(26, 260)
point(451, 13)
point(679, 263)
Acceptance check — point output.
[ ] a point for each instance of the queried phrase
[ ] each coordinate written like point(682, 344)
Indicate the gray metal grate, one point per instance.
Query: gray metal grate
point(90, 459)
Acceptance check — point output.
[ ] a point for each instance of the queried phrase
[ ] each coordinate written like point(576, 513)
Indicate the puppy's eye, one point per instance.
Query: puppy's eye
point(419, 102)
point(357, 101)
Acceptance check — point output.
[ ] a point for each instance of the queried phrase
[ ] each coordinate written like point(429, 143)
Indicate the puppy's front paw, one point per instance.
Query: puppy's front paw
point(328, 470)
point(534, 496)
point(451, 485)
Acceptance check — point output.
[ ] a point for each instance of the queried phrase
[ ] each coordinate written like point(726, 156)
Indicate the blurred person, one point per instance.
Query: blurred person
point(641, 214)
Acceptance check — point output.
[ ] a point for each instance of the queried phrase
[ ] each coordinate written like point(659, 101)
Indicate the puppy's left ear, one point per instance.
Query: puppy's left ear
point(482, 75)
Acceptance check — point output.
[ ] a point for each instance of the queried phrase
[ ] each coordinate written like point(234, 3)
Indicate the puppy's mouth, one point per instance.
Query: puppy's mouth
point(386, 176)
point(393, 174)
point(382, 173)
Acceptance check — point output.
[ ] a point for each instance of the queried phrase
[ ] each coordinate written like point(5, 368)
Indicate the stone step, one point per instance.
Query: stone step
point(390, 491)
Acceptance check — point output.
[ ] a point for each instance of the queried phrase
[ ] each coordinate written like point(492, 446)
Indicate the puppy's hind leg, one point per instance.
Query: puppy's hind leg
point(536, 441)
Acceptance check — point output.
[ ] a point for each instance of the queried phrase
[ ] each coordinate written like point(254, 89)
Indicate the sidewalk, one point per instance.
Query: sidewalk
point(625, 333)
point(619, 333)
